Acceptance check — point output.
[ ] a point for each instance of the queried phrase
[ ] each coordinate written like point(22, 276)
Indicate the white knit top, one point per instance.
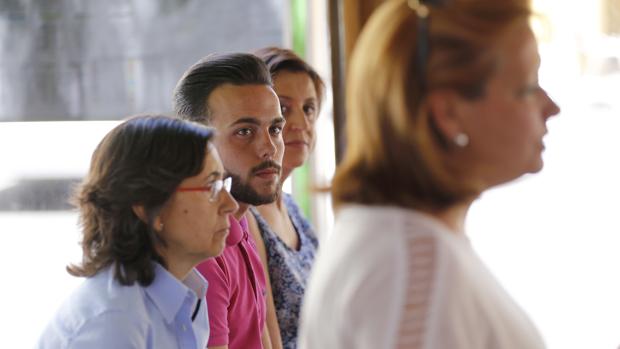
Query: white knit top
point(396, 278)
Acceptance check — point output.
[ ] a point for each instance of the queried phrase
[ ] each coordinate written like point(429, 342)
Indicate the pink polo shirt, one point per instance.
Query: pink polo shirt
point(236, 296)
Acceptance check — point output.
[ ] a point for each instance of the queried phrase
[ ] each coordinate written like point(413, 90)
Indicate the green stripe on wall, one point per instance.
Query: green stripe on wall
point(301, 176)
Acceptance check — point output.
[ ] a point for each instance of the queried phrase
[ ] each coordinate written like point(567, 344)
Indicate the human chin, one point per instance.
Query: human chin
point(294, 158)
point(219, 247)
point(266, 190)
point(244, 192)
point(537, 164)
point(219, 241)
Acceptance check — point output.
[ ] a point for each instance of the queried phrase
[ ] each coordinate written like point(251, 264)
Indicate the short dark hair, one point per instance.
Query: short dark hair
point(201, 79)
point(281, 59)
point(140, 162)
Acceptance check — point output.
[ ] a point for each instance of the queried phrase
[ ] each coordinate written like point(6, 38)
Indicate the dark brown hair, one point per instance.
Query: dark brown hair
point(201, 79)
point(140, 162)
point(395, 154)
point(281, 59)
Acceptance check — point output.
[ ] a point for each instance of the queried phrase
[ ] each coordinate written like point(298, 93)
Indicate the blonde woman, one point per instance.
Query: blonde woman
point(443, 103)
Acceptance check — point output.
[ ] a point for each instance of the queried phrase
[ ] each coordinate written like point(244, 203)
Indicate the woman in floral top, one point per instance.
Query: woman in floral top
point(284, 237)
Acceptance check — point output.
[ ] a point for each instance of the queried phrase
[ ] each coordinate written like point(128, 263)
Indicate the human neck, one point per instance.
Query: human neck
point(454, 216)
point(286, 171)
point(179, 269)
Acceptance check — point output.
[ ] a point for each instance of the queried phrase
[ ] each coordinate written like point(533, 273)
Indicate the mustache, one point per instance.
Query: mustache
point(265, 165)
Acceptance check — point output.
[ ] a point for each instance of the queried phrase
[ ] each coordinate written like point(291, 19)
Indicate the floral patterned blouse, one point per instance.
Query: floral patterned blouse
point(288, 269)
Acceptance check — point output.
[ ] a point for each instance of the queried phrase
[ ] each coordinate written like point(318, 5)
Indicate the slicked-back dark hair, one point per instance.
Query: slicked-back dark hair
point(201, 79)
point(140, 162)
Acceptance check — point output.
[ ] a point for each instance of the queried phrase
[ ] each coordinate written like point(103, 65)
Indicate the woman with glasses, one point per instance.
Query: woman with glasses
point(153, 205)
point(285, 239)
point(443, 103)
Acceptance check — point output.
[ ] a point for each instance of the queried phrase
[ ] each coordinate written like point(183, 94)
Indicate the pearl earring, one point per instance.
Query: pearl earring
point(462, 140)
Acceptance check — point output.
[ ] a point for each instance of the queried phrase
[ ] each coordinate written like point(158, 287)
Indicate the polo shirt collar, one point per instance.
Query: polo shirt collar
point(168, 293)
point(238, 229)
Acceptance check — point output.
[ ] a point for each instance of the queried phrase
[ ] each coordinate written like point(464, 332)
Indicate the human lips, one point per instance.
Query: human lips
point(268, 172)
point(296, 143)
point(542, 139)
point(223, 231)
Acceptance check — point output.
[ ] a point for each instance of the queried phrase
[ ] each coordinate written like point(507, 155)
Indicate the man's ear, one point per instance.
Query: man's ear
point(139, 211)
point(444, 108)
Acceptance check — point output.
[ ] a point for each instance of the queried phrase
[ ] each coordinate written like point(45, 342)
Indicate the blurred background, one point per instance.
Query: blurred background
point(70, 70)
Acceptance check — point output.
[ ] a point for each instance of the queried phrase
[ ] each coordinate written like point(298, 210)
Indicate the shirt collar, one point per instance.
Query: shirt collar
point(238, 230)
point(168, 293)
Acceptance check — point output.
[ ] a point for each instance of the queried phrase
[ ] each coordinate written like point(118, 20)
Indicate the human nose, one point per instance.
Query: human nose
point(267, 146)
point(298, 121)
point(551, 108)
point(228, 205)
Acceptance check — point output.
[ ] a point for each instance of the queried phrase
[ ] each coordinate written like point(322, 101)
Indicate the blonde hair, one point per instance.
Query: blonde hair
point(395, 154)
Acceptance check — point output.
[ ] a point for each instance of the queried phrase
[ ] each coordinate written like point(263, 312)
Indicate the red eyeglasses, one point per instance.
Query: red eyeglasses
point(214, 188)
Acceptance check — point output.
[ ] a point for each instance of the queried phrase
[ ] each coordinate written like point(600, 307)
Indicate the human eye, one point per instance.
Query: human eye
point(529, 89)
point(284, 109)
point(213, 188)
point(310, 109)
point(275, 129)
point(244, 132)
point(216, 185)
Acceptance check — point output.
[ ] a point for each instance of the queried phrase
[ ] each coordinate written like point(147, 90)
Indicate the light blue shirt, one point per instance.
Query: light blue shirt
point(102, 313)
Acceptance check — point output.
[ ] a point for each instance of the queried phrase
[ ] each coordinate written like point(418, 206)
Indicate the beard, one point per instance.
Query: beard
point(243, 191)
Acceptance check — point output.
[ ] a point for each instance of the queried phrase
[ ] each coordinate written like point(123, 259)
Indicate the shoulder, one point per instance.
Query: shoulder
point(256, 225)
point(100, 308)
point(369, 228)
point(374, 215)
point(360, 270)
point(300, 221)
point(378, 227)
point(292, 206)
point(364, 240)
point(110, 329)
point(217, 270)
point(102, 293)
